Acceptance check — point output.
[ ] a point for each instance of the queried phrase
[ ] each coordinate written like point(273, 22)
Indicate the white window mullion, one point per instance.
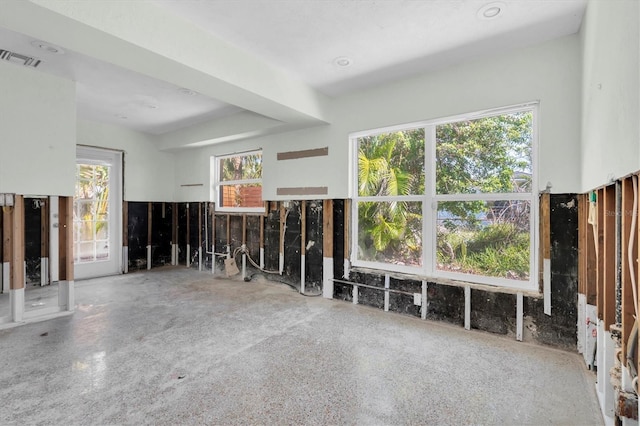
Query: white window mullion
point(430, 215)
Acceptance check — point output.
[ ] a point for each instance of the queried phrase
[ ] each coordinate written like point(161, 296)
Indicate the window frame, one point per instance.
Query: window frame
point(430, 199)
point(217, 184)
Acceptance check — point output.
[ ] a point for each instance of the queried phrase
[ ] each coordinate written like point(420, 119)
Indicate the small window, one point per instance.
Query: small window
point(237, 182)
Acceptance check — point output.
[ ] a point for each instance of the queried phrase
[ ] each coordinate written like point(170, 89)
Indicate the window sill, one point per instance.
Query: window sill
point(449, 282)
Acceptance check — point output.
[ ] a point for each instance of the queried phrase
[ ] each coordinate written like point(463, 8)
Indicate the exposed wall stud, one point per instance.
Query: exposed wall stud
point(327, 249)
point(66, 297)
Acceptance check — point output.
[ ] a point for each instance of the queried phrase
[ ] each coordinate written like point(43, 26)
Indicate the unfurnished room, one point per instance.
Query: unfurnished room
point(319, 212)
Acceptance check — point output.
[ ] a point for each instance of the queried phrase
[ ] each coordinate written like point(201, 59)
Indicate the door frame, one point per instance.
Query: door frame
point(102, 156)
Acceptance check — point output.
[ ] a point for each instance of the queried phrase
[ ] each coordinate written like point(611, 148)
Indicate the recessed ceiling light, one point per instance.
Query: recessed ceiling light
point(342, 61)
point(187, 92)
point(491, 10)
point(47, 47)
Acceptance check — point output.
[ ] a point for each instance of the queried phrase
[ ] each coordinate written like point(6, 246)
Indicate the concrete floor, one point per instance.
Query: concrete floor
point(175, 346)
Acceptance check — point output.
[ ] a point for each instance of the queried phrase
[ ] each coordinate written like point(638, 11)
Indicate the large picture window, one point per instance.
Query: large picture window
point(237, 182)
point(451, 199)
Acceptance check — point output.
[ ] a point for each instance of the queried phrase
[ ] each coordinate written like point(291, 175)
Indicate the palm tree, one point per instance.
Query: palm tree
point(385, 169)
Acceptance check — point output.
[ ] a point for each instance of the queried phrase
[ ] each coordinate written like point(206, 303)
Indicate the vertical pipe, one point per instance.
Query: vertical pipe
point(262, 219)
point(7, 232)
point(44, 242)
point(347, 236)
point(244, 246)
point(213, 241)
point(188, 236)
point(303, 245)
point(200, 236)
point(354, 296)
point(149, 232)
point(54, 232)
point(125, 238)
point(174, 234)
point(283, 227)
point(228, 235)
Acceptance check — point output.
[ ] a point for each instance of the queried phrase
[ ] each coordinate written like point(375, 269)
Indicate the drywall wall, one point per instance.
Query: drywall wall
point(148, 172)
point(192, 168)
point(610, 97)
point(37, 145)
point(548, 73)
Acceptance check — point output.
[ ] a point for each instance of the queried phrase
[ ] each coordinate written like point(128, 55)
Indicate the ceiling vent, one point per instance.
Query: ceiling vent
point(19, 59)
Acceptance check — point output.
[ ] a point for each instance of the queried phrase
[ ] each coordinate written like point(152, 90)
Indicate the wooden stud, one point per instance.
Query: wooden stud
point(591, 277)
point(16, 247)
point(600, 253)
point(582, 243)
point(200, 225)
point(65, 238)
point(7, 233)
point(347, 231)
point(327, 233)
point(282, 227)
point(628, 305)
point(545, 233)
point(610, 266)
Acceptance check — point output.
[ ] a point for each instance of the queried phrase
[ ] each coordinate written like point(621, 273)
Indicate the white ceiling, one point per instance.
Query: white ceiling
point(291, 45)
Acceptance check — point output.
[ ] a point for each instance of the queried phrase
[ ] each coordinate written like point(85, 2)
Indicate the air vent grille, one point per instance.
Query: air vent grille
point(19, 59)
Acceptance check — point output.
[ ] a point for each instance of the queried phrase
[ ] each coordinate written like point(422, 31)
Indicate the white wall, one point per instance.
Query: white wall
point(148, 172)
point(37, 132)
point(192, 168)
point(610, 120)
point(549, 73)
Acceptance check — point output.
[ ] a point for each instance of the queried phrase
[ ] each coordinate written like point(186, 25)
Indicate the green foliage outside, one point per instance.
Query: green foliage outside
point(487, 155)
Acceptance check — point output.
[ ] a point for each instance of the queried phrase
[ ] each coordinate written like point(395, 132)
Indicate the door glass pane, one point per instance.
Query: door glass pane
point(91, 213)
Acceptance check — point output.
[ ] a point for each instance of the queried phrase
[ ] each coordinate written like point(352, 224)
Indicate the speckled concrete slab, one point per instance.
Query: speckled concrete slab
point(176, 346)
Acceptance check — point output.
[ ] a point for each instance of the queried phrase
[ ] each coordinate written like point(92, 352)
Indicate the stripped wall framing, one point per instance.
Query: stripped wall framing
point(608, 300)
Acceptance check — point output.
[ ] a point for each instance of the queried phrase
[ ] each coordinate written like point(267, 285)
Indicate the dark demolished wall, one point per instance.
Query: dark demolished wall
point(494, 311)
point(491, 310)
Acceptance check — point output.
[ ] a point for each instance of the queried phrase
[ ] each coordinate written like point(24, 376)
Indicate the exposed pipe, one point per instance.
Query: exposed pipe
point(632, 234)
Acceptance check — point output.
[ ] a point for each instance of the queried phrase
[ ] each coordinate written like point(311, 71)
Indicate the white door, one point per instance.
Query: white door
point(97, 213)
